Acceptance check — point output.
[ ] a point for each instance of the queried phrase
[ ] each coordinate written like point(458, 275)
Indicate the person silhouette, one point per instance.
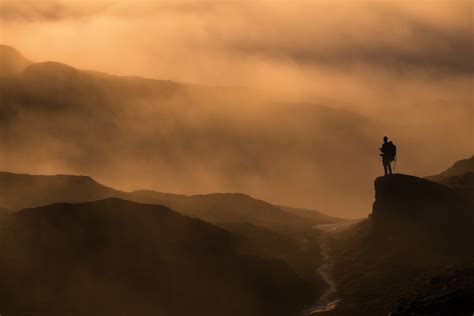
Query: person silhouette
point(389, 153)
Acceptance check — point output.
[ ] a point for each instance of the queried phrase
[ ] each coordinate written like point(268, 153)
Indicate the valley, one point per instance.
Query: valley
point(123, 195)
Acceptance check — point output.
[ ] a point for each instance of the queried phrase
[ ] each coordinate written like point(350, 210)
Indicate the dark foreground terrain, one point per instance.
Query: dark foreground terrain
point(70, 245)
point(116, 257)
point(415, 253)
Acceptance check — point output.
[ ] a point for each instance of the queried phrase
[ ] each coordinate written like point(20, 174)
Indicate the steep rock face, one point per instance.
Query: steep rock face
point(417, 229)
point(407, 205)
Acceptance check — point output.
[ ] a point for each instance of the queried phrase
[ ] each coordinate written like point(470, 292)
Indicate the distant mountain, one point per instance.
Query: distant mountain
point(417, 229)
point(460, 178)
point(460, 168)
point(18, 191)
point(130, 130)
point(227, 208)
point(12, 62)
point(119, 257)
point(316, 217)
point(264, 230)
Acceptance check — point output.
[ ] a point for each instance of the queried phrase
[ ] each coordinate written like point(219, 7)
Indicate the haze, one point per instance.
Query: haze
point(403, 68)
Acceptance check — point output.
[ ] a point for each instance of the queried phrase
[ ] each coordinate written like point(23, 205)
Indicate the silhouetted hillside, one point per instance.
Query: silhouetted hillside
point(267, 231)
point(118, 257)
point(300, 250)
point(12, 61)
point(460, 168)
point(416, 229)
point(18, 191)
point(314, 216)
point(460, 178)
point(183, 136)
point(227, 208)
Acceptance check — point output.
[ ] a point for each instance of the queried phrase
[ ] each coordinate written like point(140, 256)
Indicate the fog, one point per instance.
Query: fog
point(391, 67)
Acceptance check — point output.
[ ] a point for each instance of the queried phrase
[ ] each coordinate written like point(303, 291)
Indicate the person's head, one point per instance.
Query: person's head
point(385, 139)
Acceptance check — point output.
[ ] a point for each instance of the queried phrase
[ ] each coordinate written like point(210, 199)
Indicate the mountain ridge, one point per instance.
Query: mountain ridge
point(12, 62)
point(459, 168)
point(79, 112)
point(23, 190)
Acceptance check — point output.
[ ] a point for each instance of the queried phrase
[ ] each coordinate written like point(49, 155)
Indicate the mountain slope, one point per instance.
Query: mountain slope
point(114, 256)
point(226, 208)
point(18, 191)
point(316, 217)
point(459, 168)
point(459, 177)
point(12, 62)
point(182, 136)
point(265, 230)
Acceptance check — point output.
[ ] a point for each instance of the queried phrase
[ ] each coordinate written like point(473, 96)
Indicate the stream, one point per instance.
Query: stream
point(329, 299)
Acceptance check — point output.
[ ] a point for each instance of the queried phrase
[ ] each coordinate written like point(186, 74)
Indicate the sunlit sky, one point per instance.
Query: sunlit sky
point(303, 46)
point(403, 64)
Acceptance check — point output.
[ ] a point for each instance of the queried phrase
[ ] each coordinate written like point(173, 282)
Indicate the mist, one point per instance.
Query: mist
point(324, 82)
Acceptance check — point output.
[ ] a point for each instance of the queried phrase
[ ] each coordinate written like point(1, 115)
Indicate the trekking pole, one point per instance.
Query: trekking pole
point(394, 163)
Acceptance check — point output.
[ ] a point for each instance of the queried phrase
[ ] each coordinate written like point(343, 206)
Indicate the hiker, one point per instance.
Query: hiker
point(389, 153)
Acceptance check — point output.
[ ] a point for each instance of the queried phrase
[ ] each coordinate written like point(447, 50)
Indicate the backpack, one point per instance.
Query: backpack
point(391, 151)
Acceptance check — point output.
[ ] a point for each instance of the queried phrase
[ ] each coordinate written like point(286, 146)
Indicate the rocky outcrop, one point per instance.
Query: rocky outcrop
point(406, 205)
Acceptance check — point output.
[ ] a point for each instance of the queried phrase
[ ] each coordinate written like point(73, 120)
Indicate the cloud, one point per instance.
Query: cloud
point(47, 10)
point(393, 36)
point(406, 66)
point(390, 37)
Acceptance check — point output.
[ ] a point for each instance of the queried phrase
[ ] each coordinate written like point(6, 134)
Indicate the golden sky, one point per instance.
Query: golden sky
point(406, 65)
point(315, 44)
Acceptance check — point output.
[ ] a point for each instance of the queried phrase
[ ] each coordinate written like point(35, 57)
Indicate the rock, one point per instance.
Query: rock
point(406, 205)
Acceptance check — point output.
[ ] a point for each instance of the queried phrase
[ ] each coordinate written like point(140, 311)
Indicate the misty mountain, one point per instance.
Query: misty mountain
point(20, 191)
point(459, 177)
point(314, 216)
point(114, 257)
point(416, 230)
point(167, 136)
point(227, 208)
point(264, 230)
point(460, 168)
point(12, 62)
